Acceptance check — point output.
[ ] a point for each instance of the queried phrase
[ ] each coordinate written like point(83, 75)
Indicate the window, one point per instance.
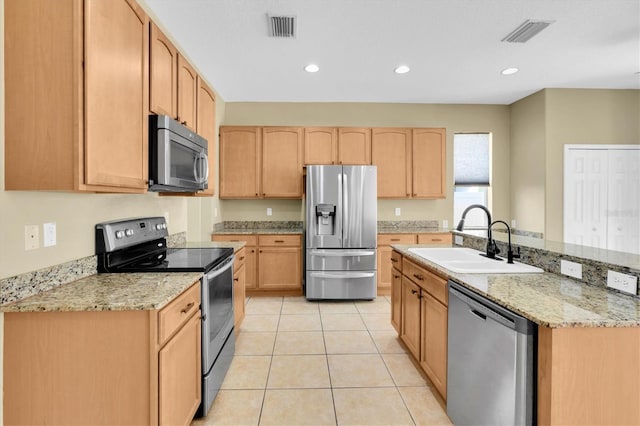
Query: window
point(471, 168)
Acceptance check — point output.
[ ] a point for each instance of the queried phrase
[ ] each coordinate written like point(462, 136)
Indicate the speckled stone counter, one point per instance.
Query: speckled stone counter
point(257, 227)
point(109, 292)
point(547, 299)
point(409, 227)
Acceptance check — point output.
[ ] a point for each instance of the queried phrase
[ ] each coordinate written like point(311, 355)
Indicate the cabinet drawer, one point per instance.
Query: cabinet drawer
point(387, 239)
point(435, 238)
point(176, 313)
point(396, 260)
point(251, 240)
point(429, 281)
point(437, 287)
point(241, 256)
point(279, 240)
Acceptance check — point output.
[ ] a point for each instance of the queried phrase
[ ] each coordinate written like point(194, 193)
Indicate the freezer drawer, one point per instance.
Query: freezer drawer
point(341, 260)
point(341, 285)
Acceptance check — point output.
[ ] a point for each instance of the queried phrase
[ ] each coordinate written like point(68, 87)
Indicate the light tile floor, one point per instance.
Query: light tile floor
point(322, 363)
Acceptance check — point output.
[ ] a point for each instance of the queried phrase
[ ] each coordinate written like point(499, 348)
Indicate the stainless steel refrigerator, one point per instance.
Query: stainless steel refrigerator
point(341, 232)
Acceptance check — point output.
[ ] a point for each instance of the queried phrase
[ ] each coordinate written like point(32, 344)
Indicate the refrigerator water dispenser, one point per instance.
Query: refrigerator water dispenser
point(325, 219)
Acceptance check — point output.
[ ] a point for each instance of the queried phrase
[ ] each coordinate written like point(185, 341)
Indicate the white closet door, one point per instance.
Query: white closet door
point(585, 198)
point(623, 223)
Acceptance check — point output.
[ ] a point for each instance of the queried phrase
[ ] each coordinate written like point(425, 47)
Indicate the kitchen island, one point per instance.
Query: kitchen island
point(588, 365)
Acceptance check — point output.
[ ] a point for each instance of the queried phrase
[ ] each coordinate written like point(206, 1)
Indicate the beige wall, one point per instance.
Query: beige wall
point(455, 118)
point(577, 116)
point(541, 124)
point(527, 158)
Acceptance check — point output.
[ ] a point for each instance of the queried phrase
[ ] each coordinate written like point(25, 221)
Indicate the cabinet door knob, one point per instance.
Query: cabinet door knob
point(187, 308)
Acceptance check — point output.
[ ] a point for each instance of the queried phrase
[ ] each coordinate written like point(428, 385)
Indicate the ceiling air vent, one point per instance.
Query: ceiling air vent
point(282, 26)
point(528, 29)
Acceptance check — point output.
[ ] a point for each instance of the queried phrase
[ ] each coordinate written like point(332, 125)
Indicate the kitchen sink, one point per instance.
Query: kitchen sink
point(469, 261)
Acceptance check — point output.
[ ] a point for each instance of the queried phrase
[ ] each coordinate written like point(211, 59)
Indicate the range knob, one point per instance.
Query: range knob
point(158, 226)
point(119, 234)
point(128, 232)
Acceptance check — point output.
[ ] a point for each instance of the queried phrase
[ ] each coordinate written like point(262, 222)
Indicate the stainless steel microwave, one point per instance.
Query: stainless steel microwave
point(178, 159)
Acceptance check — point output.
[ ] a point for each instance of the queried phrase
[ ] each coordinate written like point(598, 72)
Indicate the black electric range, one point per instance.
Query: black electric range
point(139, 245)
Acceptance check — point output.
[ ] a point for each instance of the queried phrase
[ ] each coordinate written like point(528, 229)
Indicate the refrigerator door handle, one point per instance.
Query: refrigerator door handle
point(338, 275)
point(345, 209)
point(333, 253)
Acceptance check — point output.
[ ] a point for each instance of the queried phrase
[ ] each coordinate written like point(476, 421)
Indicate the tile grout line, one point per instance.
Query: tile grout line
point(266, 384)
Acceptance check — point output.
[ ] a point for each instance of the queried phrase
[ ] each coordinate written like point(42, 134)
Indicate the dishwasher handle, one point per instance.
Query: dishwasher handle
point(490, 309)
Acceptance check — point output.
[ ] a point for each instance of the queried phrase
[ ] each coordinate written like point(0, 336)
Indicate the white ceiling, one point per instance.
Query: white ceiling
point(452, 46)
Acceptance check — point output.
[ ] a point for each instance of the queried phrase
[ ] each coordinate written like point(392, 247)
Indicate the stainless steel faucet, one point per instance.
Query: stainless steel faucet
point(492, 249)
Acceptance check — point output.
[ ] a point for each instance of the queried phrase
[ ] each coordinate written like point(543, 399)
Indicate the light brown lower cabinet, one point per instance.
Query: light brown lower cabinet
point(239, 291)
point(396, 291)
point(273, 263)
point(384, 258)
point(104, 367)
point(423, 326)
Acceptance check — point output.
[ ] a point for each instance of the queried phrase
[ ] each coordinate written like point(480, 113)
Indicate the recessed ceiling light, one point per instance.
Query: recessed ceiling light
point(312, 68)
point(509, 71)
point(402, 69)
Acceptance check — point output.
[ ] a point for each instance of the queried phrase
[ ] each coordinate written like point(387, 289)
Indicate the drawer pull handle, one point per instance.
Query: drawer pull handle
point(436, 239)
point(241, 259)
point(395, 239)
point(187, 308)
point(418, 276)
point(236, 279)
point(278, 241)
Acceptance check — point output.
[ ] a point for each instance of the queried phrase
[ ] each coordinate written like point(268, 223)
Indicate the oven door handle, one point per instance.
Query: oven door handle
point(225, 265)
point(201, 158)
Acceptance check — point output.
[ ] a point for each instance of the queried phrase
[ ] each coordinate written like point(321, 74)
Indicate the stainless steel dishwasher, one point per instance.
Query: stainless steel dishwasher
point(491, 368)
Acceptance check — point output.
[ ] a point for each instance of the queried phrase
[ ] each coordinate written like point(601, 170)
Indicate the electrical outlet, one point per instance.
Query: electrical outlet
point(445, 224)
point(571, 269)
point(397, 211)
point(166, 217)
point(458, 240)
point(31, 237)
point(269, 211)
point(513, 223)
point(49, 234)
point(622, 282)
point(215, 212)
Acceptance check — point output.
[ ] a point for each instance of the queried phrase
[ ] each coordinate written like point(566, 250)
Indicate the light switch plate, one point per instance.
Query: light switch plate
point(49, 234)
point(269, 211)
point(31, 237)
point(445, 224)
point(622, 282)
point(397, 211)
point(571, 269)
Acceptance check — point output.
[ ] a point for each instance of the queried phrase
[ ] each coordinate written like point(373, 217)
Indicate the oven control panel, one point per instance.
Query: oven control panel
point(115, 235)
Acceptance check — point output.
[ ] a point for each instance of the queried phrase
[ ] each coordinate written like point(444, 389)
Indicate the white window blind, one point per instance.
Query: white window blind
point(471, 159)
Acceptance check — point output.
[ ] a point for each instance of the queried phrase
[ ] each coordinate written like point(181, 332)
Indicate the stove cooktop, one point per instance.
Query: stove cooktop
point(183, 260)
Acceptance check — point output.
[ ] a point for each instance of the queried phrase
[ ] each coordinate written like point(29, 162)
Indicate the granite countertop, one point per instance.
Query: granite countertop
point(258, 227)
point(264, 231)
point(109, 292)
point(411, 230)
point(547, 299)
point(235, 245)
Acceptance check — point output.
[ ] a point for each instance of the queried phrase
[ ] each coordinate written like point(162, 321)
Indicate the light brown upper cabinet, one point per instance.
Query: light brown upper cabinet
point(391, 153)
point(320, 145)
point(187, 93)
point(429, 163)
point(354, 145)
point(206, 127)
point(411, 162)
point(80, 70)
point(261, 162)
point(163, 79)
point(175, 84)
point(240, 162)
point(282, 162)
